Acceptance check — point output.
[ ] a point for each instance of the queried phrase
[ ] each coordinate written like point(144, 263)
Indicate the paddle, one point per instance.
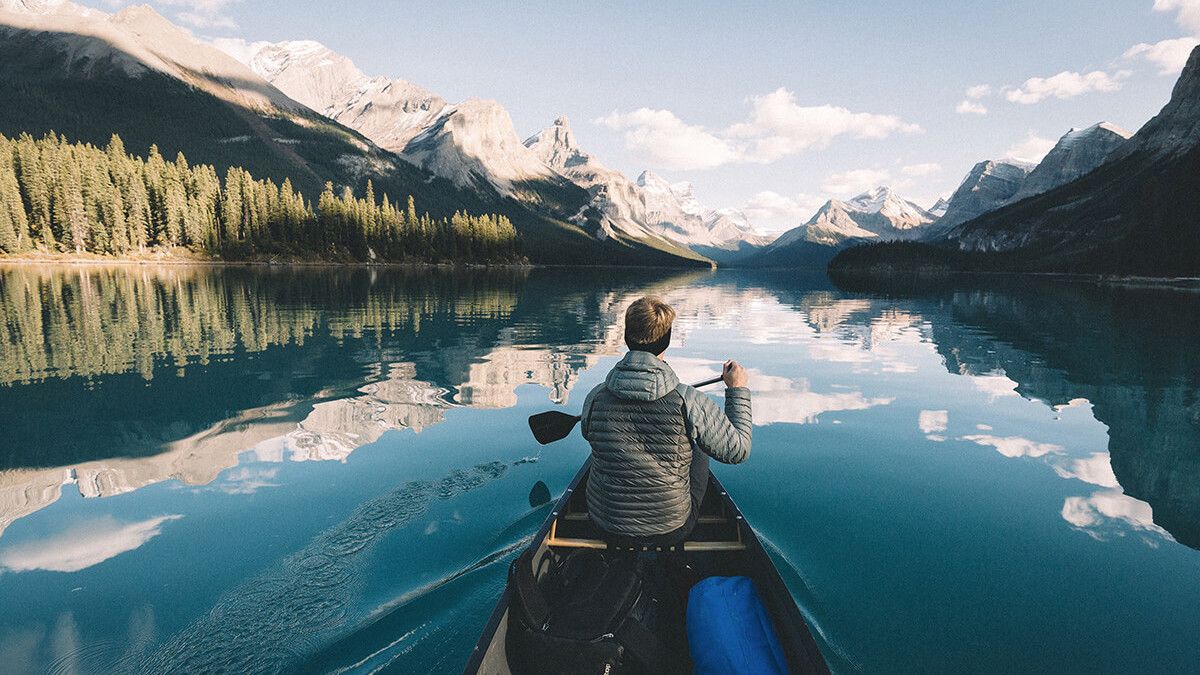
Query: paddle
point(553, 425)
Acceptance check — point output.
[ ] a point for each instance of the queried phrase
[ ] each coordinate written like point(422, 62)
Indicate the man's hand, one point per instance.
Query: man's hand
point(734, 375)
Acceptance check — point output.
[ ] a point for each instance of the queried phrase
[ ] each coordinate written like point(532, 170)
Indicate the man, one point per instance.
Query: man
point(651, 436)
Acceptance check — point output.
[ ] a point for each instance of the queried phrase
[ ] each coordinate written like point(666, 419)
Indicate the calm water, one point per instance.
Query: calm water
point(280, 470)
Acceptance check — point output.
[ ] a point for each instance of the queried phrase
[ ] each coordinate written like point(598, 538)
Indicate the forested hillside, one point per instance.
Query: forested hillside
point(58, 196)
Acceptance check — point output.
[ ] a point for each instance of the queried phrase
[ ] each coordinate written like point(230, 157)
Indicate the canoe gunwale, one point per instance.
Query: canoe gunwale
point(800, 647)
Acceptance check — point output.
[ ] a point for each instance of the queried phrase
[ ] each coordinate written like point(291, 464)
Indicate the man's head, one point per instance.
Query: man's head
point(648, 325)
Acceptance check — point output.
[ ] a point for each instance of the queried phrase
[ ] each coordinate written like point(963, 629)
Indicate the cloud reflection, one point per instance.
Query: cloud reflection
point(84, 544)
point(1015, 446)
point(779, 399)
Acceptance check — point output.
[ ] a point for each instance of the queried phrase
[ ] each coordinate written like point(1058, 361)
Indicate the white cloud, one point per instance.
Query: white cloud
point(1188, 16)
point(970, 107)
point(772, 208)
point(919, 170)
point(1015, 446)
point(780, 127)
point(777, 127)
point(668, 141)
point(85, 544)
point(1169, 55)
point(1031, 149)
point(855, 181)
point(979, 91)
point(203, 13)
point(238, 48)
point(1067, 84)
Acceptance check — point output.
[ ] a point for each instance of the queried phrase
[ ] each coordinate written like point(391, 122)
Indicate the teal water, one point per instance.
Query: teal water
point(279, 470)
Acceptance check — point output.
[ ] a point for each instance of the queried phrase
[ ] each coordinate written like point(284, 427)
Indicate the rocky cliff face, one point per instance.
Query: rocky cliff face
point(1077, 153)
point(1136, 213)
point(990, 185)
point(388, 111)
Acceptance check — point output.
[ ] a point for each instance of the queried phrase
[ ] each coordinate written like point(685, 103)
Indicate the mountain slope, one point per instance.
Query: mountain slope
point(989, 185)
point(471, 144)
point(1078, 152)
point(87, 74)
point(649, 208)
point(1134, 214)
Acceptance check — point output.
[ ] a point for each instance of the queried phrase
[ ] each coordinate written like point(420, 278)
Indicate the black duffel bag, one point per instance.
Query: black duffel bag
point(585, 612)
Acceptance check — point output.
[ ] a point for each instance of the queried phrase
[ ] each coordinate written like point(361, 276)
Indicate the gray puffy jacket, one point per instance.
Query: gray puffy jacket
point(644, 427)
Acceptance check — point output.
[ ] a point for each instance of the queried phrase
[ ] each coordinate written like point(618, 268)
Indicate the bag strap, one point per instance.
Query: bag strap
point(644, 645)
point(532, 602)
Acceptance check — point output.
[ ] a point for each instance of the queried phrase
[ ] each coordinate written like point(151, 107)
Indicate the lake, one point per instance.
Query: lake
point(272, 469)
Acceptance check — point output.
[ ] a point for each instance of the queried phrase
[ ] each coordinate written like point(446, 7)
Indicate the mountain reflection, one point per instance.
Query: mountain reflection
point(1129, 353)
point(113, 379)
point(174, 372)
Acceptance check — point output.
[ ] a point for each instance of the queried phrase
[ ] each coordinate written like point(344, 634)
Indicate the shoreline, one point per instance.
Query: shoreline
point(100, 261)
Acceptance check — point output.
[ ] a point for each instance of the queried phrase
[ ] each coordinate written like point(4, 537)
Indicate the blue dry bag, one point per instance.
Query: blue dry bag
point(729, 631)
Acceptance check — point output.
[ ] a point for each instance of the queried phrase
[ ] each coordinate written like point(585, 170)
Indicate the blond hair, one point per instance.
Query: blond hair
point(647, 321)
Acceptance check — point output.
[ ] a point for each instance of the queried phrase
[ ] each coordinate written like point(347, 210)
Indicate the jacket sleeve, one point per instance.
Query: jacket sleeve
point(586, 415)
point(723, 435)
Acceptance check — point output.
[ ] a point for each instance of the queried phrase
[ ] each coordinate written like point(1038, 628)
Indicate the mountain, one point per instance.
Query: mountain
point(87, 74)
point(388, 111)
point(876, 215)
point(472, 144)
point(618, 200)
point(989, 185)
point(992, 184)
point(1134, 214)
point(649, 207)
point(939, 207)
point(1078, 152)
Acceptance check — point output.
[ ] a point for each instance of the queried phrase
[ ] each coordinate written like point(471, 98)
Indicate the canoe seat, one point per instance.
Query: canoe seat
point(716, 528)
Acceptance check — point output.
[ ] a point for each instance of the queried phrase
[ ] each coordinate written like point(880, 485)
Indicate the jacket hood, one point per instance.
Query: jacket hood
point(641, 376)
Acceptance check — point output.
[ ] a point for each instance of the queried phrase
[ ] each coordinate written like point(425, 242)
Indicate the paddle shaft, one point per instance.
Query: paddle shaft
point(552, 426)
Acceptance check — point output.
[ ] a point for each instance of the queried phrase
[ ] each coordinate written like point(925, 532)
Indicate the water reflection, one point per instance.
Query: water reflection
point(208, 394)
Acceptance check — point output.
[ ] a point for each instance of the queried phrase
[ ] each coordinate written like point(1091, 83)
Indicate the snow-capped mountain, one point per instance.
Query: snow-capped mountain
point(616, 199)
point(1078, 152)
point(474, 143)
point(388, 111)
point(42, 6)
point(651, 206)
point(878, 214)
point(131, 43)
point(1136, 214)
point(990, 185)
point(939, 207)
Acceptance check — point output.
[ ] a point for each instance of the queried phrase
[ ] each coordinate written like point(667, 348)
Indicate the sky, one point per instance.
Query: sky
point(772, 107)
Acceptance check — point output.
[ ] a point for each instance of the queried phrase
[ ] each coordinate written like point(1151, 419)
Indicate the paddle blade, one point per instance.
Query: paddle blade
point(552, 426)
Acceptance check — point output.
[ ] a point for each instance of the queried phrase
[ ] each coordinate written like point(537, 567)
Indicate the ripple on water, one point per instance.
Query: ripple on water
point(275, 619)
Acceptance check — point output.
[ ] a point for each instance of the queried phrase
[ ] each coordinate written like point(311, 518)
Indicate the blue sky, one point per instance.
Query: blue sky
point(769, 106)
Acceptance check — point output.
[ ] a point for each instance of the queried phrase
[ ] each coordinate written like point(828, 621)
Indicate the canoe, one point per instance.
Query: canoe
point(722, 544)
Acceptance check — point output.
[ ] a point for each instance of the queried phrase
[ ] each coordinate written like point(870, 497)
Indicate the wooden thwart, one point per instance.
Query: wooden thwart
point(553, 540)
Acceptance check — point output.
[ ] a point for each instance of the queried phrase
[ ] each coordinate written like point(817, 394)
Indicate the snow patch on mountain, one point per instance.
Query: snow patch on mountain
point(878, 214)
point(474, 143)
point(1077, 153)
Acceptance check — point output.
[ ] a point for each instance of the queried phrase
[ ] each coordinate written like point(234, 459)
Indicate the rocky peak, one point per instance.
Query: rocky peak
point(555, 145)
point(1176, 128)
